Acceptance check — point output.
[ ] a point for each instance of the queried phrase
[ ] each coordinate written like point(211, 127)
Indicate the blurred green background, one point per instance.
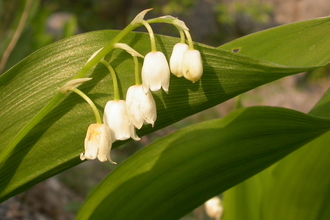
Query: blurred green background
point(27, 25)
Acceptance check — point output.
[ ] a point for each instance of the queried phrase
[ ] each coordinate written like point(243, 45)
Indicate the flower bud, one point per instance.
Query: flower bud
point(98, 143)
point(141, 106)
point(155, 72)
point(117, 119)
point(176, 58)
point(214, 208)
point(192, 67)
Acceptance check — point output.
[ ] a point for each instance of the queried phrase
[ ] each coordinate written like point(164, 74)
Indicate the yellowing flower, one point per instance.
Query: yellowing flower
point(98, 143)
point(117, 119)
point(141, 106)
point(192, 67)
point(155, 72)
point(176, 58)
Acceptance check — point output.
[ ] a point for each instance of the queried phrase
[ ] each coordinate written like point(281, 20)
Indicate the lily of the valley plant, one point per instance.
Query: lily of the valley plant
point(121, 117)
point(43, 122)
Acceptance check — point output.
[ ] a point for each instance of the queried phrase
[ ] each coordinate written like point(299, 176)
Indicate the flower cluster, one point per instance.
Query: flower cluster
point(122, 117)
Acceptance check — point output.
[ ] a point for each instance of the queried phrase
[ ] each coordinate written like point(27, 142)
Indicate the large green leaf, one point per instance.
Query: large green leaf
point(297, 187)
point(179, 172)
point(55, 143)
point(292, 44)
point(294, 186)
point(302, 184)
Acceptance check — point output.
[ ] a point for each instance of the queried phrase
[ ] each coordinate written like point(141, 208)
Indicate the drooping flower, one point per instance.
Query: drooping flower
point(155, 72)
point(117, 119)
point(192, 67)
point(214, 208)
point(176, 58)
point(141, 106)
point(98, 143)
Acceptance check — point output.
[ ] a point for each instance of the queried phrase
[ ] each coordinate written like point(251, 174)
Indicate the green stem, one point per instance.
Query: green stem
point(137, 71)
point(116, 95)
point(110, 46)
point(182, 36)
point(16, 35)
point(238, 102)
point(190, 42)
point(169, 20)
point(151, 34)
point(91, 103)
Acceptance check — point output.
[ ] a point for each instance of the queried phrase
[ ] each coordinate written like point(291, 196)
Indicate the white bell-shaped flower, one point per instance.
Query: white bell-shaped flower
point(192, 67)
point(214, 208)
point(117, 119)
point(176, 58)
point(155, 72)
point(141, 106)
point(98, 143)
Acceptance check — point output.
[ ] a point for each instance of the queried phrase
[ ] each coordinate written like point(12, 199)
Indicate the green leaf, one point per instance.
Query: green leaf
point(179, 172)
point(54, 144)
point(297, 187)
point(322, 107)
point(305, 193)
point(296, 44)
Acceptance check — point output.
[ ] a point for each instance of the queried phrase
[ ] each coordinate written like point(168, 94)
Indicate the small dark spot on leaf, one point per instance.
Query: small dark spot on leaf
point(236, 50)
